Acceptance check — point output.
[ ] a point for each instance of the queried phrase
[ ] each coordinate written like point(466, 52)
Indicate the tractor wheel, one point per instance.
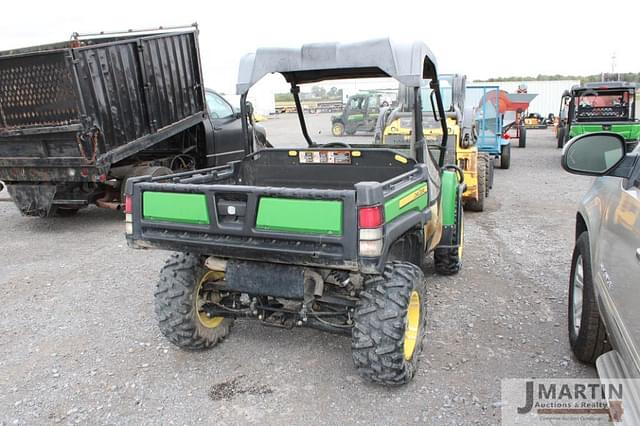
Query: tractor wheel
point(587, 335)
point(505, 156)
point(448, 261)
point(477, 205)
point(184, 286)
point(390, 324)
point(522, 142)
point(337, 129)
point(560, 136)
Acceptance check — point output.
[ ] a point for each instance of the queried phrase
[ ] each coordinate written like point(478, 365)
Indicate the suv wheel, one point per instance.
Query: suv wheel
point(587, 335)
point(390, 324)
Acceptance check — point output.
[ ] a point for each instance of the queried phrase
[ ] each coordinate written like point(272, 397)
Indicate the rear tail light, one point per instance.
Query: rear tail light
point(128, 216)
point(370, 217)
point(128, 204)
point(370, 233)
point(506, 137)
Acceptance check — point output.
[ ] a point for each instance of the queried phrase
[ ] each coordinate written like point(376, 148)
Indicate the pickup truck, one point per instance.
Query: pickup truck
point(78, 118)
point(329, 236)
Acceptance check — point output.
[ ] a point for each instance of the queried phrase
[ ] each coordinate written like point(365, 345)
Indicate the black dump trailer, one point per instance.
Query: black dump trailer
point(78, 118)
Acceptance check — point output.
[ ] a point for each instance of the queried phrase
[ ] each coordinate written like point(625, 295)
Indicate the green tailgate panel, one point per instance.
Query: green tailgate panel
point(302, 216)
point(630, 132)
point(414, 198)
point(175, 207)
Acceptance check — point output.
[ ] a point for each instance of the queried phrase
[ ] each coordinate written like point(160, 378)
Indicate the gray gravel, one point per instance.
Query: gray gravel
point(79, 341)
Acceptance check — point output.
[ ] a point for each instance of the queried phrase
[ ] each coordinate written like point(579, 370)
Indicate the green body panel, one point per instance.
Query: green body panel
point(355, 117)
point(173, 207)
point(414, 198)
point(302, 216)
point(629, 131)
point(448, 197)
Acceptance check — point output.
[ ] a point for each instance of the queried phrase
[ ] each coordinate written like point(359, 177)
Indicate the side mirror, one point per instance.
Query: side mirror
point(593, 154)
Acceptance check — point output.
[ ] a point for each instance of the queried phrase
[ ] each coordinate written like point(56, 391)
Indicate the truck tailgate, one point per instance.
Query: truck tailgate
point(309, 226)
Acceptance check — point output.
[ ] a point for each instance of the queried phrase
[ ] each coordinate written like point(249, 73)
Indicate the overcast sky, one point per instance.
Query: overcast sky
point(480, 38)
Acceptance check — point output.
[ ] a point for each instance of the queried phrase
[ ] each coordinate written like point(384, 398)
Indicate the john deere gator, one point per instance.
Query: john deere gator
point(330, 236)
point(597, 107)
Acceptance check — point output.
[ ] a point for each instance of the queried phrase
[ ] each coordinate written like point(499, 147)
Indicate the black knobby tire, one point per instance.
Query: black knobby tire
point(560, 136)
point(176, 304)
point(337, 129)
point(477, 205)
point(591, 340)
point(380, 324)
point(522, 142)
point(505, 156)
point(448, 261)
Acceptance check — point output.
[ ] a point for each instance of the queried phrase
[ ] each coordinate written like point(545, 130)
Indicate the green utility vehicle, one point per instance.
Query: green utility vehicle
point(327, 236)
point(597, 107)
point(359, 114)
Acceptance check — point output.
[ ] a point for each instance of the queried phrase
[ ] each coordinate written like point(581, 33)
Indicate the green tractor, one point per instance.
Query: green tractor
point(597, 107)
point(329, 236)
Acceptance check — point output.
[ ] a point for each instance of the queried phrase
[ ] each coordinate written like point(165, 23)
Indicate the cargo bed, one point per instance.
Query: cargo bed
point(275, 207)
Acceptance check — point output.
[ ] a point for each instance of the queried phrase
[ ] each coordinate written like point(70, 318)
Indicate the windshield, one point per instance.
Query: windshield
point(611, 105)
point(446, 91)
point(369, 112)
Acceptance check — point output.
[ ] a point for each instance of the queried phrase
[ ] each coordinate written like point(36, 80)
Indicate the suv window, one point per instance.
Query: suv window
point(218, 107)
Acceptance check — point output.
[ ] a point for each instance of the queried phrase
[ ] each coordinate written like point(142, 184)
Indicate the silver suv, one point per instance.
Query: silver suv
point(604, 292)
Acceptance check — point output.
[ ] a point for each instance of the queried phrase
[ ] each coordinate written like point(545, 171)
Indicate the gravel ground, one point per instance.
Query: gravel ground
point(79, 341)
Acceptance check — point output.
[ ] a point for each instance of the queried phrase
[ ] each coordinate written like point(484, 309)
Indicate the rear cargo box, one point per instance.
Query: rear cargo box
point(88, 104)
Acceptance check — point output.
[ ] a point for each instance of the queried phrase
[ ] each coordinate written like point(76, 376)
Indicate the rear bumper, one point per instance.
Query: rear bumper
point(18, 170)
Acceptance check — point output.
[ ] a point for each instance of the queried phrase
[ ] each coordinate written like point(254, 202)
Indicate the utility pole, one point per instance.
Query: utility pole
point(613, 63)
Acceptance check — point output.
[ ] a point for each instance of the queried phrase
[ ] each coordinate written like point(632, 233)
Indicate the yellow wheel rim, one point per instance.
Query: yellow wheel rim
point(203, 297)
point(413, 325)
point(336, 130)
point(461, 246)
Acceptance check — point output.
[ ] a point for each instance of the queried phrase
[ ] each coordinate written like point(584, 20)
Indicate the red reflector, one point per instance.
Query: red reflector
point(506, 137)
point(128, 204)
point(370, 217)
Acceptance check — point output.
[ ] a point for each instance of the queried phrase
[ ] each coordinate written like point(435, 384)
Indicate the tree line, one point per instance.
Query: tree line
point(317, 92)
point(625, 76)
